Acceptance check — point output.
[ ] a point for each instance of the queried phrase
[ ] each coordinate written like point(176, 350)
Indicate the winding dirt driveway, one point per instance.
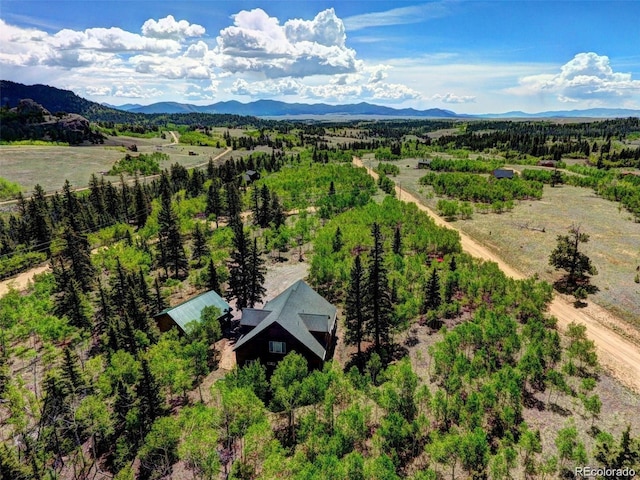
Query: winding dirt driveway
point(617, 354)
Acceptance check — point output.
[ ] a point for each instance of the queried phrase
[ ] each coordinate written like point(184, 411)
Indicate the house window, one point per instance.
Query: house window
point(277, 347)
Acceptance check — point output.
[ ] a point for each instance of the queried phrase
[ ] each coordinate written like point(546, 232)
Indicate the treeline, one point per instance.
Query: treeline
point(41, 218)
point(464, 165)
point(604, 129)
point(476, 188)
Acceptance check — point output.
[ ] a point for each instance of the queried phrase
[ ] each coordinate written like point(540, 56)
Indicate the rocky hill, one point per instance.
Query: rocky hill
point(31, 121)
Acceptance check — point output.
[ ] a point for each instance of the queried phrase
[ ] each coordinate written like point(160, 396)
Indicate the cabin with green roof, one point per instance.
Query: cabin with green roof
point(180, 315)
point(298, 319)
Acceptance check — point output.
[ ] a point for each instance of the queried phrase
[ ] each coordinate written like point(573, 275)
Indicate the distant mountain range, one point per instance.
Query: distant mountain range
point(273, 108)
point(588, 113)
point(57, 100)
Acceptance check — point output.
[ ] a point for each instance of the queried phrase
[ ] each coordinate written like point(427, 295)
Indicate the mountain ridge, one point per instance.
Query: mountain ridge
point(59, 100)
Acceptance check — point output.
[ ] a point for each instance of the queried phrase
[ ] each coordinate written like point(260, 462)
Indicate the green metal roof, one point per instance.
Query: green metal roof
point(190, 310)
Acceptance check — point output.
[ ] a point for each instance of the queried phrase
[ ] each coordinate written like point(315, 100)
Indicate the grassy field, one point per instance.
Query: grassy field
point(614, 246)
point(51, 166)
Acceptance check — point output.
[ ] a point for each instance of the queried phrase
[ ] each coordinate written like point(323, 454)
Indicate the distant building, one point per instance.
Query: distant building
point(503, 173)
point(251, 176)
point(424, 163)
point(298, 319)
point(180, 315)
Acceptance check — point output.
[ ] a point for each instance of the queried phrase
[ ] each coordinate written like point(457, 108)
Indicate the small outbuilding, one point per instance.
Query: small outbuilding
point(503, 173)
point(425, 163)
point(180, 315)
point(299, 319)
point(251, 176)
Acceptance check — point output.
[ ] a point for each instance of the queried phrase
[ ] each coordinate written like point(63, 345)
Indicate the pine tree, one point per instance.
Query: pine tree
point(150, 401)
point(214, 202)
point(567, 256)
point(255, 205)
point(234, 203)
point(239, 272)
point(432, 297)
point(277, 212)
point(332, 188)
point(38, 220)
point(256, 274)
point(213, 283)
point(200, 248)
point(160, 303)
point(77, 252)
point(378, 307)
point(337, 241)
point(73, 304)
point(264, 213)
point(143, 206)
point(169, 235)
point(354, 306)
point(397, 241)
point(71, 371)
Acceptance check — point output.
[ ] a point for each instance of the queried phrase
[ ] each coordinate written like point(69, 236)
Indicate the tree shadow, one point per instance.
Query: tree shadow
point(555, 408)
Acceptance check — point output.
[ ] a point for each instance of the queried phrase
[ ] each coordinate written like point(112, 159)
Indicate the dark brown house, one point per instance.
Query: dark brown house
point(298, 319)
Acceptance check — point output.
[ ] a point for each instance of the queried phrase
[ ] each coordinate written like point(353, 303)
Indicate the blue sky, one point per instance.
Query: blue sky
point(466, 56)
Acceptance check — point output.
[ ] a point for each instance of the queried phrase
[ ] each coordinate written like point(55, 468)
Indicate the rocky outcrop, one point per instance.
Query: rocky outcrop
point(31, 121)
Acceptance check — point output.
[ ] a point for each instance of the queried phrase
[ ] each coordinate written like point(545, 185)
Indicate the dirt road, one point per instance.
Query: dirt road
point(617, 354)
point(21, 281)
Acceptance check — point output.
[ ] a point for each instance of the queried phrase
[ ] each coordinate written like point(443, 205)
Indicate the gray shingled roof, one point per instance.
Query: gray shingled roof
point(298, 309)
point(190, 310)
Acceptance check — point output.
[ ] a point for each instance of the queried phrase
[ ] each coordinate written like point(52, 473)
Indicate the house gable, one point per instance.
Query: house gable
point(308, 320)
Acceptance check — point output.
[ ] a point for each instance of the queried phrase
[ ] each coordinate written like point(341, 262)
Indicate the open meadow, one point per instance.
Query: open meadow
point(50, 166)
point(614, 245)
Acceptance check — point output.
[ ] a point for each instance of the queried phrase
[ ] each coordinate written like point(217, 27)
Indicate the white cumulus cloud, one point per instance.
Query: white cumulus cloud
point(588, 76)
point(168, 27)
point(452, 98)
point(299, 48)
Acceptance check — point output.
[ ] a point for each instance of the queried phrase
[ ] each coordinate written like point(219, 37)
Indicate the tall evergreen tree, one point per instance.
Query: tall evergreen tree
point(143, 206)
point(160, 303)
point(200, 248)
point(256, 274)
point(277, 212)
point(234, 203)
point(354, 306)
point(71, 371)
point(264, 213)
point(169, 236)
point(214, 202)
point(78, 252)
point(397, 240)
point(337, 241)
point(73, 304)
point(378, 307)
point(255, 205)
point(432, 297)
point(150, 401)
point(38, 220)
point(239, 271)
point(213, 282)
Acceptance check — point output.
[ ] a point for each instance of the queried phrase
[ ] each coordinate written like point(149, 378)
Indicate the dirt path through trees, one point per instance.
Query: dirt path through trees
point(620, 356)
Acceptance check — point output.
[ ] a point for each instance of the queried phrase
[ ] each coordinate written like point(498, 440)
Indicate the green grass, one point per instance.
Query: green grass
point(8, 189)
point(50, 165)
